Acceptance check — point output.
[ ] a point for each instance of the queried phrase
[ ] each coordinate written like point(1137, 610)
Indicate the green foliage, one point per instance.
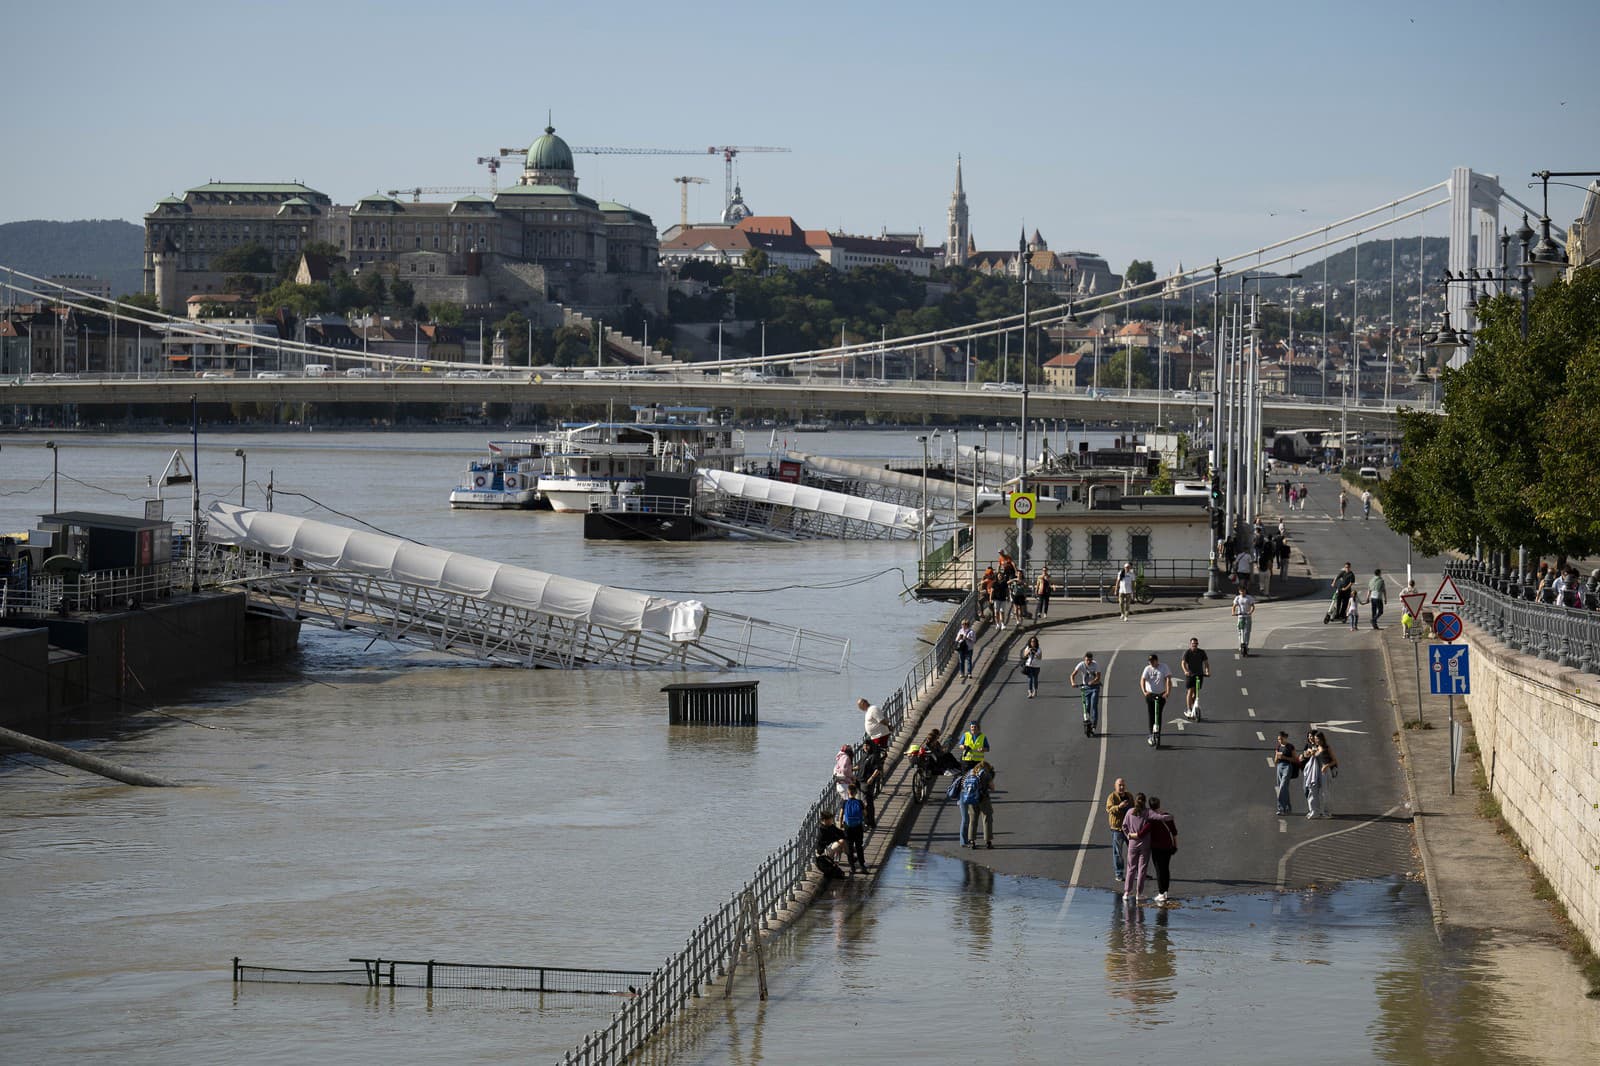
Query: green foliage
point(401, 292)
point(1139, 272)
point(421, 313)
point(144, 301)
point(1114, 375)
point(250, 257)
point(1161, 484)
point(571, 346)
point(446, 314)
point(514, 328)
point(1512, 460)
point(374, 293)
point(299, 300)
point(242, 284)
point(756, 261)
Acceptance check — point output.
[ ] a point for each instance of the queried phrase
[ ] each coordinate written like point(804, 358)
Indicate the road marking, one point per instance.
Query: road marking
point(1238, 673)
point(1179, 722)
point(1251, 711)
point(1321, 682)
point(1261, 736)
point(1095, 807)
point(1337, 726)
point(1243, 691)
point(1307, 644)
point(1283, 826)
point(1283, 863)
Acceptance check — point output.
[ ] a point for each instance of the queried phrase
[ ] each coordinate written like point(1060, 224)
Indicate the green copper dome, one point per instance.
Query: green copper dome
point(549, 152)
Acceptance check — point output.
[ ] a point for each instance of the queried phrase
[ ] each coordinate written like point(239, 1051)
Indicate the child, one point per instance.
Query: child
point(1353, 615)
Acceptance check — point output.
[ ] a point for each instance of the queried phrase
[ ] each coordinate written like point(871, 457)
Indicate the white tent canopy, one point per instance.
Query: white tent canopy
point(808, 498)
point(323, 546)
point(938, 489)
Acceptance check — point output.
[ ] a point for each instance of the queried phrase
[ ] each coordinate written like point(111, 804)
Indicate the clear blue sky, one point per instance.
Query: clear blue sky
point(1167, 131)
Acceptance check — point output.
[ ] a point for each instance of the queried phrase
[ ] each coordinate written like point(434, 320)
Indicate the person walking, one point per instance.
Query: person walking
point(1244, 565)
point(1285, 768)
point(1343, 583)
point(1155, 682)
point(1043, 591)
point(1196, 667)
point(853, 813)
point(974, 745)
point(999, 599)
point(1019, 601)
point(1136, 826)
point(1352, 613)
point(1313, 773)
point(1030, 659)
point(1244, 609)
point(1344, 502)
point(1163, 830)
point(1118, 803)
point(1305, 492)
point(1366, 505)
point(1375, 596)
point(1125, 585)
point(966, 640)
point(1086, 675)
point(976, 807)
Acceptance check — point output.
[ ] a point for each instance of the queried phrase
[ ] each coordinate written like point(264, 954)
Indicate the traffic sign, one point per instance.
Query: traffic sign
point(1448, 595)
point(1447, 626)
point(1413, 602)
point(1448, 673)
point(1023, 504)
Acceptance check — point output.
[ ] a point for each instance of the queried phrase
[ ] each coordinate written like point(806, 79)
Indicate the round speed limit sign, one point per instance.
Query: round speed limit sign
point(1023, 504)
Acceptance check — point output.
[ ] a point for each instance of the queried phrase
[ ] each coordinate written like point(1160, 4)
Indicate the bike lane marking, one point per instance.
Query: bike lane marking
point(1099, 785)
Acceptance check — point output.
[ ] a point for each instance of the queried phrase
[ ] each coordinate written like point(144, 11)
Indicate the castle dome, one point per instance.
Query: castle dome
point(549, 152)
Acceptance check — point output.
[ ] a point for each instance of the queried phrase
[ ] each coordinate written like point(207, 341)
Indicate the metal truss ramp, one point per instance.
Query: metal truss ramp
point(326, 575)
point(783, 509)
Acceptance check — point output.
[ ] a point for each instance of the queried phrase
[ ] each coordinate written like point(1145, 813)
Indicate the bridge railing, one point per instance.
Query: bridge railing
point(776, 883)
point(1569, 636)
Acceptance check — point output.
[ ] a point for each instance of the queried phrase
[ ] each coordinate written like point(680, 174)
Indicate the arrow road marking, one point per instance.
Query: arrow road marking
point(1306, 644)
point(1321, 682)
point(1181, 723)
point(1338, 727)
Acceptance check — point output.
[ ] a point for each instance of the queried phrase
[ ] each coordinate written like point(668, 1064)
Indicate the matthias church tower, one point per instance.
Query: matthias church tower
point(958, 236)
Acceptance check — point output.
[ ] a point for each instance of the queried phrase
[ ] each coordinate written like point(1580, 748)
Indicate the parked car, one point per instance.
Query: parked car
point(272, 374)
point(1369, 473)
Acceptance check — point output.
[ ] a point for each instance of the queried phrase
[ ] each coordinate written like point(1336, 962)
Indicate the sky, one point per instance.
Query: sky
point(1170, 131)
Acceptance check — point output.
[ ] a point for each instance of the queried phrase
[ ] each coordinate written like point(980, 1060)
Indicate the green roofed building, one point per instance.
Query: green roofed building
point(534, 243)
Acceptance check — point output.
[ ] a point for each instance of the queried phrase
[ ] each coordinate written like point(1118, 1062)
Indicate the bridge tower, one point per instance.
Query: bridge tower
point(1474, 198)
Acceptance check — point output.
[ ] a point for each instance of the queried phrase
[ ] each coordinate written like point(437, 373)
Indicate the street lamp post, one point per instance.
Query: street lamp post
point(977, 454)
point(55, 477)
point(244, 472)
point(922, 531)
point(1022, 426)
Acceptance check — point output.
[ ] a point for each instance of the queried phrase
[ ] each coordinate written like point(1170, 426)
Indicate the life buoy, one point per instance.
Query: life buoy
point(511, 482)
point(478, 481)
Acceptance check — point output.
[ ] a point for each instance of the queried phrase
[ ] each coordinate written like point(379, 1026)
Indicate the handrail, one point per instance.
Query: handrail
point(1568, 636)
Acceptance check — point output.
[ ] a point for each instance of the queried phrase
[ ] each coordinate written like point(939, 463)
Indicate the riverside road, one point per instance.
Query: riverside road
point(1215, 775)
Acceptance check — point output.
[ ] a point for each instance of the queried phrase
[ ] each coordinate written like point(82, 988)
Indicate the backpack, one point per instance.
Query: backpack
point(971, 789)
point(853, 812)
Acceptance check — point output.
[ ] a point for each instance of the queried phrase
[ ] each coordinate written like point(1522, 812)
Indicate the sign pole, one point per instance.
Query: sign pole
point(1450, 704)
point(1416, 660)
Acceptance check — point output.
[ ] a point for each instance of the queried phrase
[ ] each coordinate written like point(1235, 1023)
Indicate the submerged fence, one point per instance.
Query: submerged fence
point(709, 952)
point(1569, 636)
point(485, 977)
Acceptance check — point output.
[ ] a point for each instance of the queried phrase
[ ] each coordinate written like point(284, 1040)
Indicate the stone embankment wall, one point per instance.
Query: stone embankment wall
point(1538, 728)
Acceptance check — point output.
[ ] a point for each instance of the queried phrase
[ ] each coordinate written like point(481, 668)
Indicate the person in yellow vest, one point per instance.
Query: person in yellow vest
point(974, 745)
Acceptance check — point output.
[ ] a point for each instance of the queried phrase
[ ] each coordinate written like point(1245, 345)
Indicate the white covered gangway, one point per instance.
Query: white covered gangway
point(788, 510)
point(349, 579)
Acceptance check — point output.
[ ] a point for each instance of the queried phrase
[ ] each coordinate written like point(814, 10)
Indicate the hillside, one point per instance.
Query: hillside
point(107, 248)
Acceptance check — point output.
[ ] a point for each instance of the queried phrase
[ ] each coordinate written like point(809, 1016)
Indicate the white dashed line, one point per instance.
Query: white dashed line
point(1251, 711)
point(1243, 691)
point(1238, 673)
point(1261, 736)
point(1283, 826)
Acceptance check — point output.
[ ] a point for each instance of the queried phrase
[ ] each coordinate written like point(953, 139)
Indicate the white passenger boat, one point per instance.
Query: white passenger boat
point(506, 479)
point(591, 462)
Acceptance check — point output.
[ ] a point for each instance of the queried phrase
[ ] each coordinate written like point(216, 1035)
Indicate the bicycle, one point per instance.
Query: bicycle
point(1142, 593)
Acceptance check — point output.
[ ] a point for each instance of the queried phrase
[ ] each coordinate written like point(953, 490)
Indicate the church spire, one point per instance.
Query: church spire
point(958, 236)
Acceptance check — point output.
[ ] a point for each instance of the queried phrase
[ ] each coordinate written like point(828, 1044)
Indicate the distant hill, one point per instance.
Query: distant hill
point(107, 248)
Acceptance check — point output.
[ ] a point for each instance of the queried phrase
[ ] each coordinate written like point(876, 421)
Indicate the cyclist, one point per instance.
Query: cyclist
point(1086, 675)
point(1155, 682)
point(1196, 668)
point(1344, 502)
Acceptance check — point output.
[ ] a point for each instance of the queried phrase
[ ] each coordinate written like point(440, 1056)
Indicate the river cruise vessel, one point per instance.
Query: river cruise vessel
point(590, 462)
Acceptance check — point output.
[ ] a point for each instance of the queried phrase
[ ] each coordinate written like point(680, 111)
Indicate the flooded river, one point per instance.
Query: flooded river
point(362, 800)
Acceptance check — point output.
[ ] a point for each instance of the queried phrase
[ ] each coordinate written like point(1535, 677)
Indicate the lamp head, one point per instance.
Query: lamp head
point(50, 444)
point(239, 452)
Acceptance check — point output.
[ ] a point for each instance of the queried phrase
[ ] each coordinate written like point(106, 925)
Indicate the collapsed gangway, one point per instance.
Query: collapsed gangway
point(785, 510)
point(880, 483)
point(338, 578)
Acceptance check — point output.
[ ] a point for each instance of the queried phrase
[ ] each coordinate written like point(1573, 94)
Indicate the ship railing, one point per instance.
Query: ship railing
point(635, 503)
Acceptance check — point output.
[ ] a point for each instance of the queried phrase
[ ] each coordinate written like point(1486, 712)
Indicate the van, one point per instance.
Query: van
point(1369, 473)
point(318, 370)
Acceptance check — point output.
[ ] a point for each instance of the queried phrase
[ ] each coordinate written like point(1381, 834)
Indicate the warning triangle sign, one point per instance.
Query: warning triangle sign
point(1448, 595)
point(1413, 602)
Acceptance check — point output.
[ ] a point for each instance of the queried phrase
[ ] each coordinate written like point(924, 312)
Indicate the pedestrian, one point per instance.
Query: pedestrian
point(999, 598)
point(1244, 565)
point(844, 772)
point(1375, 596)
point(1304, 493)
point(966, 639)
point(1283, 553)
point(1366, 505)
point(1196, 667)
point(1294, 494)
point(1043, 591)
point(830, 846)
point(1118, 804)
point(974, 744)
point(1344, 502)
point(1264, 561)
point(1030, 659)
point(1315, 771)
point(1163, 830)
point(976, 806)
point(987, 585)
point(1086, 675)
point(1244, 609)
point(853, 813)
point(1344, 583)
point(1135, 826)
point(1125, 584)
point(1353, 612)
point(1155, 682)
point(1019, 600)
point(1285, 768)
point(874, 725)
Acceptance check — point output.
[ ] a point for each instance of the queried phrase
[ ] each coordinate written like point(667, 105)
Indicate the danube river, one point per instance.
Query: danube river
point(366, 800)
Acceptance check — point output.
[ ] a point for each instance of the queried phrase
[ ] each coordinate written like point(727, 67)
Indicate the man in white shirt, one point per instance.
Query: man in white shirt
point(874, 724)
point(1155, 681)
point(1245, 565)
point(1244, 605)
point(1125, 583)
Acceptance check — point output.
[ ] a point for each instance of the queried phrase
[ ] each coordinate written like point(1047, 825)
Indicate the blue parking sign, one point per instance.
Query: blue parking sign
point(1448, 673)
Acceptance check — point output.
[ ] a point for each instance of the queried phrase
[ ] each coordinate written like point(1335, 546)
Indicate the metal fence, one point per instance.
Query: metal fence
point(776, 883)
point(460, 976)
point(1569, 636)
point(97, 590)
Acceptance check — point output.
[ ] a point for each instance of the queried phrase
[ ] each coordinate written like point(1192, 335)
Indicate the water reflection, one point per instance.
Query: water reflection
point(1139, 963)
point(975, 909)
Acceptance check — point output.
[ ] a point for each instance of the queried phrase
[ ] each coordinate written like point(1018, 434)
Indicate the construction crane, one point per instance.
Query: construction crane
point(493, 163)
point(416, 191)
point(683, 206)
point(727, 151)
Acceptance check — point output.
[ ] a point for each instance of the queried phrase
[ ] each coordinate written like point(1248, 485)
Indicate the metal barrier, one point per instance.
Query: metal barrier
point(95, 590)
point(1569, 636)
point(777, 882)
point(474, 976)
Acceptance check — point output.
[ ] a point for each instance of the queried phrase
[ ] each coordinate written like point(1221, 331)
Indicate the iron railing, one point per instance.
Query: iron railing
point(1569, 636)
point(776, 882)
point(432, 974)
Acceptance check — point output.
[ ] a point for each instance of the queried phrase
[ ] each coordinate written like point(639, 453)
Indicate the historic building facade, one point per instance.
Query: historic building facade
point(534, 243)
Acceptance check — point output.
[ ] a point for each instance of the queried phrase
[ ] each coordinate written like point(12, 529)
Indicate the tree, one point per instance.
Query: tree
point(446, 314)
point(1139, 272)
point(756, 261)
point(374, 293)
point(421, 313)
point(402, 292)
point(300, 301)
point(247, 258)
point(1114, 375)
point(143, 301)
point(242, 284)
point(514, 329)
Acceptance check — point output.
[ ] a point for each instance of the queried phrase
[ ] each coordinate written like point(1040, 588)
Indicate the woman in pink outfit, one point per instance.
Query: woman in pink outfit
point(1136, 826)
